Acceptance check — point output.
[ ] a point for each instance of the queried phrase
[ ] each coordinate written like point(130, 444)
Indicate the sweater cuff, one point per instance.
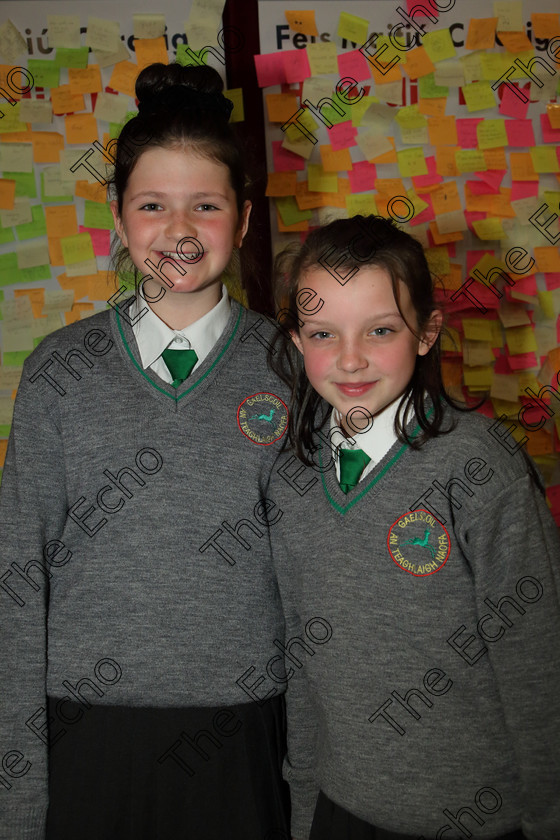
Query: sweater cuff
point(303, 794)
point(29, 825)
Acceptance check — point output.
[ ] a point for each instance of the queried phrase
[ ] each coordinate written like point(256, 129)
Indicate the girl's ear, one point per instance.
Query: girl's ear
point(296, 338)
point(243, 224)
point(118, 223)
point(430, 332)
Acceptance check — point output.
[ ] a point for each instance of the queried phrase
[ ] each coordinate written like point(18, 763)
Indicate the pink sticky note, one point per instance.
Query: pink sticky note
point(413, 4)
point(343, 135)
point(296, 65)
point(466, 132)
point(523, 285)
point(524, 189)
point(353, 65)
point(479, 188)
point(493, 178)
point(284, 160)
point(502, 366)
point(427, 215)
point(362, 176)
point(523, 361)
point(552, 280)
point(432, 177)
point(101, 240)
point(511, 105)
point(270, 69)
point(520, 133)
point(549, 134)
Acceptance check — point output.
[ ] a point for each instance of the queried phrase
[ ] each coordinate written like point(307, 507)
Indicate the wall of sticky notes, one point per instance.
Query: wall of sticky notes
point(55, 223)
point(454, 131)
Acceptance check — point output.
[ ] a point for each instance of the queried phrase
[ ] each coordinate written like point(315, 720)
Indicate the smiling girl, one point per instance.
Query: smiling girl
point(425, 541)
point(139, 584)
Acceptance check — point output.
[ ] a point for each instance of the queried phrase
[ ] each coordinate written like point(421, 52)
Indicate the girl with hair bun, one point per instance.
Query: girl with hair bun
point(139, 601)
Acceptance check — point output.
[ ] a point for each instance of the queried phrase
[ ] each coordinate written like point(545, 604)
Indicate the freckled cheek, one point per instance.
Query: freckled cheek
point(317, 364)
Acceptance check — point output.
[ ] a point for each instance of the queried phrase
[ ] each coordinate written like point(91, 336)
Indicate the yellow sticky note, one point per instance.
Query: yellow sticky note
point(373, 144)
point(362, 204)
point(35, 110)
point(544, 158)
point(235, 95)
point(491, 134)
point(103, 34)
point(299, 146)
point(148, 25)
point(412, 162)
point(64, 31)
point(494, 65)
point(481, 33)
point(438, 260)
point(302, 21)
point(546, 301)
point(322, 58)
point(16, 157)
point(479, 96)
point(439, 44)
point(521, 340)
point(77, 248)
point(353, 28)
point(111, 108)
point(509, 14)
point(319, 180)
point(489, 229)
point(478, 378)
point(477, 329)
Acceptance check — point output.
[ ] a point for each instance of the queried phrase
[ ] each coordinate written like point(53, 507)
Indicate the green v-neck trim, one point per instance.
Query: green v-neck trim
point(198, 381)
point(343, 509)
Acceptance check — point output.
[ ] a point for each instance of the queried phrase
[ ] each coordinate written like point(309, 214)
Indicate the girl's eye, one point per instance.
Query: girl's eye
point(381, 331)
point(150, 207)
point(206, 207)
point(321, 334)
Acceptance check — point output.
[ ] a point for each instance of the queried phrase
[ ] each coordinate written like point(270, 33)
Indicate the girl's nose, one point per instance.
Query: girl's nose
point(351, 357)
point(181, 226)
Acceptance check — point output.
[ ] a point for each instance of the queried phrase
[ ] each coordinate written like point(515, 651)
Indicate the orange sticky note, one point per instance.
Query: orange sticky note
point(307, 200)
point(521, 166)
point(87, 80)
point(93, 192)
point(553, 111)
point(387, 157)
point(481, 33)
point(515, 42)
point(61, 220)
point(37, 298)
point(442, 239)
point(442, 131)
point(547, 259)
point(281, 183)
point(3, 450)
point(446, 198)
point(75, 313)
point(432, 107)
point(123, 78)
point(281, 106)
point(7, 194)
point(101, 285)
point(79, 285)
point(64, 101)
point(393, 74)
point(418, 63)
point(150, 51)
point(335, 161)
point(545, 25)
point(303, 21)
point(55, 250)
point(80, 128)
point(47, 146)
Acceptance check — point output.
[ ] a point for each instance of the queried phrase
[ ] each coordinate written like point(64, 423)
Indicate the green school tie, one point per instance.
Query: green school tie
point(180, 364)
point(352, 464)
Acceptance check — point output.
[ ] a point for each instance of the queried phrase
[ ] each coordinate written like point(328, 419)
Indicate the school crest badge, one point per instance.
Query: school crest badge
point(418, 543)
point(263, 418)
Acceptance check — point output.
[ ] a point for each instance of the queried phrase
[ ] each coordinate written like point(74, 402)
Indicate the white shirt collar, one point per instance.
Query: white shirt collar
point(153, 336)
point(377, 440)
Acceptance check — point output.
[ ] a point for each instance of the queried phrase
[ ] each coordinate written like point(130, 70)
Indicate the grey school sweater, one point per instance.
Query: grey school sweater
point(431, 705)
point(135, 564)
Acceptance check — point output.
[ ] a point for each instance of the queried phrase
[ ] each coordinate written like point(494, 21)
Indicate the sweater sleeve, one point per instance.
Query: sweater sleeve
point(33, 507)
point(302, 725)
point(513, 547)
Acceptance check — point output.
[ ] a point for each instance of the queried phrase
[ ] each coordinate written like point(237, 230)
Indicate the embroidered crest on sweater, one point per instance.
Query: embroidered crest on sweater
point(418, 543)
point(263, 418)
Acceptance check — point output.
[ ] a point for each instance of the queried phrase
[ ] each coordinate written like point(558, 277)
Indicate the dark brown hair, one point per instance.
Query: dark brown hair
point(176, 106)
point(342, 247)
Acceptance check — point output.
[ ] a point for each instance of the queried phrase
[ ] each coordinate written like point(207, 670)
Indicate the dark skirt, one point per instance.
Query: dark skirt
point(331, 822)
point(121, 773)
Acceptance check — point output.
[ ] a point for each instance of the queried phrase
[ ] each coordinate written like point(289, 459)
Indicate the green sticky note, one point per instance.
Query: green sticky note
point(428, 89)
point(66, 57)
point(8, 265)
point(26, 275)
point(290, 212)
point(46, 73)
point(25, 183)
point(353, 28)
point(1, 295)
point(6, 235)
point(189, 57)
point(14, 359)
point(98, 215)
point(37, 227)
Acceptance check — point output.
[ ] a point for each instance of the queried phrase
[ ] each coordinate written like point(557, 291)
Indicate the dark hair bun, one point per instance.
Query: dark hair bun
point(161, 87)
